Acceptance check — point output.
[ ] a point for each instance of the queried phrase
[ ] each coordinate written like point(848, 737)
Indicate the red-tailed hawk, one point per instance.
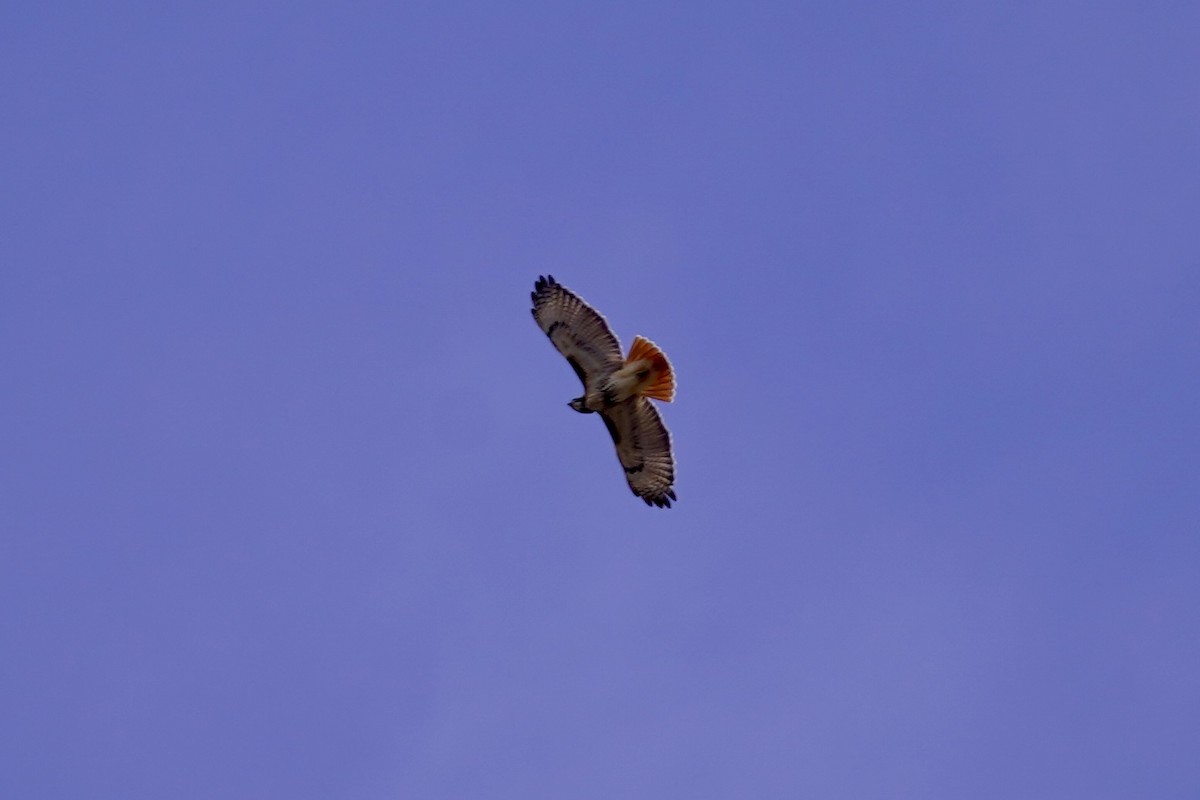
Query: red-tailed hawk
point(615, 387)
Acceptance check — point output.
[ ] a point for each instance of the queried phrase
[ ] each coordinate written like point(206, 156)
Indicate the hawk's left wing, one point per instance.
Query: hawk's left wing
point(644, 448)
point(579, 331)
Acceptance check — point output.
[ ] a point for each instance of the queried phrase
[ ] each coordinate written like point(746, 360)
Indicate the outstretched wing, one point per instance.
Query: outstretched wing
point(579, 331)
point(644, 448)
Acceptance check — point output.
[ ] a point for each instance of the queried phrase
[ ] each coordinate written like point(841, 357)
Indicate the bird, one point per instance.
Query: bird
point(617, 388)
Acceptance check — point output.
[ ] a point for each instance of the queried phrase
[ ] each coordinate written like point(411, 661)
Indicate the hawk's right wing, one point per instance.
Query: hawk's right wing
point(644, 448)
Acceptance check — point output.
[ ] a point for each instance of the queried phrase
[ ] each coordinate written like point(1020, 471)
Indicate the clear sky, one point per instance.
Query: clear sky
point(292, 503)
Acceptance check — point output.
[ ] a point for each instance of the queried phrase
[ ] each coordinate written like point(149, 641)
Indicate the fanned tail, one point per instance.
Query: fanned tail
point(661, 383)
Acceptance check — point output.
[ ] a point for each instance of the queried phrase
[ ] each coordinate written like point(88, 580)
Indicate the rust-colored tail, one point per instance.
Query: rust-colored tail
point(661, 383)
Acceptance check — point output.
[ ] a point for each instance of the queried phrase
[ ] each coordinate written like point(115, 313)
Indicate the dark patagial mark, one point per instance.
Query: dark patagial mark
point(612, 429)
point(578, 370)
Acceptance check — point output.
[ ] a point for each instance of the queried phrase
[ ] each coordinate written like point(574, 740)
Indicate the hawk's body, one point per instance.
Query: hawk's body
point(615, 387)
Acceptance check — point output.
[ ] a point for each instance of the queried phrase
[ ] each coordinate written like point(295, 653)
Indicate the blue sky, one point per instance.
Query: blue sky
point(293, 505)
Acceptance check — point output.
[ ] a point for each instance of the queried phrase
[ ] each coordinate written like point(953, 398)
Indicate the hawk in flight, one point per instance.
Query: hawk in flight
point(614, 386)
